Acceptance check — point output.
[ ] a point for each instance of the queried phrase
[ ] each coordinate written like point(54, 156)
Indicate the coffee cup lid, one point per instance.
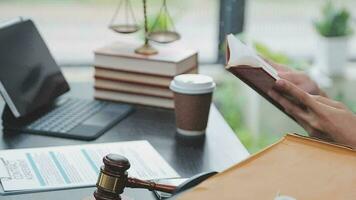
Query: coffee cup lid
point(192, 84)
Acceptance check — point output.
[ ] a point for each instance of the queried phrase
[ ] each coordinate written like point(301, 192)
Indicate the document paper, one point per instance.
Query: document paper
point(51, 168)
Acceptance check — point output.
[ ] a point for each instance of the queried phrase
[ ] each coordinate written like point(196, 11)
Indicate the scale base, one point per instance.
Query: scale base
point(146, 49)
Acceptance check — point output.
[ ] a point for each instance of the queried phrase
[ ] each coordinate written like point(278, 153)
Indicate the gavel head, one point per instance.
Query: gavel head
point(112, 178)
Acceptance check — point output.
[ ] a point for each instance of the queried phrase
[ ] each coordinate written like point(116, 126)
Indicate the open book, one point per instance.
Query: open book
point(244, 63)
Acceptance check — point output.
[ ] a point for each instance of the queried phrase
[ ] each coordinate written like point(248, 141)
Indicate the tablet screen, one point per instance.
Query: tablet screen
point(29, 76)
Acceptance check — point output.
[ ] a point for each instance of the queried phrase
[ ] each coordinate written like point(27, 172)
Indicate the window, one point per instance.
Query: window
point(287, 26)
point(73, 29)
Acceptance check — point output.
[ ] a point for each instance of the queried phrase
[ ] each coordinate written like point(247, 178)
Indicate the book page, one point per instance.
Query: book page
point(240, 54)
point(52, 168)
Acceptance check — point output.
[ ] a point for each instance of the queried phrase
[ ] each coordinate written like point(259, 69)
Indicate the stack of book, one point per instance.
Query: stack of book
point(124, 76)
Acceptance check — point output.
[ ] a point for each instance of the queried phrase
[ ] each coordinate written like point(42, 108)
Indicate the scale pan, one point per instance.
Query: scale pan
point(124, 28)
point(163, 36)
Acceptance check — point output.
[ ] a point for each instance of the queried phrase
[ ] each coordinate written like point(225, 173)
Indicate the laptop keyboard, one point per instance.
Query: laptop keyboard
point(65, 117)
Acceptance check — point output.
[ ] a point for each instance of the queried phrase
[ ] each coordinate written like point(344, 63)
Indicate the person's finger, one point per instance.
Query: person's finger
point(306, 126)
point(301, 80)
point(303, 118)
point(329, 102)
point(293, 77)
point(299, 95)
point(290, 107)
point(320, 135)
point(313, 132)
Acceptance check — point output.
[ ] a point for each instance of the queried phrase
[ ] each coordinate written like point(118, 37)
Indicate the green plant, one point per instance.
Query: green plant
point(334, 22)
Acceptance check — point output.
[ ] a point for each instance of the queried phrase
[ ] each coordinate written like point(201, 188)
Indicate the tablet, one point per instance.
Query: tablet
point(29, 76)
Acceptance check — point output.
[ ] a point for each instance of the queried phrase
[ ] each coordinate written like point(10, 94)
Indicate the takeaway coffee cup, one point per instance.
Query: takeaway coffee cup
point(192, 99)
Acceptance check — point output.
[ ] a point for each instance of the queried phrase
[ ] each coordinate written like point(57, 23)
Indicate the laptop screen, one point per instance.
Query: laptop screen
point(29, 76)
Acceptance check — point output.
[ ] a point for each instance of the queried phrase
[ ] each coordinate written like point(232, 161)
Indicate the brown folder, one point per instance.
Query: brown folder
point(298, 167)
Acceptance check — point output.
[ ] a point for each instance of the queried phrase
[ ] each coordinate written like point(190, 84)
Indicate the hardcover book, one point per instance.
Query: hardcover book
point(133, 98)
point(117, 86)
point(136, 78)
point(245, 64)
point(170, 61)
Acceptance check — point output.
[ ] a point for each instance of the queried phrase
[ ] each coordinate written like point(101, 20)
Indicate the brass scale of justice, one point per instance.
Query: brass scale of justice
point(162, 30)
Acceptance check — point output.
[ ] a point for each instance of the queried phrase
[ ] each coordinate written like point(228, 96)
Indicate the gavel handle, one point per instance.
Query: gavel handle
point(137, 183)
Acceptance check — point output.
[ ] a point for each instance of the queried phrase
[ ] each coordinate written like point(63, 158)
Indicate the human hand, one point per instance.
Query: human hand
point(300, 79)
point(319, 116)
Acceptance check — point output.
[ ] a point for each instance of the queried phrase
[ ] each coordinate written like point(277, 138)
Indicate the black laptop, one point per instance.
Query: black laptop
point(32, 84)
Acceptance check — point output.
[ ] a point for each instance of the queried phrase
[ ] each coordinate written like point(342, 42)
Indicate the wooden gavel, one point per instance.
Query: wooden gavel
point(113, 179)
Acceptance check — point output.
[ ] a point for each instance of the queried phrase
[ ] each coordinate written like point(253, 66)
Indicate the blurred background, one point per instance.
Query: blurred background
point(299, 34)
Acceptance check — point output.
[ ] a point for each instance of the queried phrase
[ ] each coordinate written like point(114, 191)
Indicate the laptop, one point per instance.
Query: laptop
point(32, 85)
